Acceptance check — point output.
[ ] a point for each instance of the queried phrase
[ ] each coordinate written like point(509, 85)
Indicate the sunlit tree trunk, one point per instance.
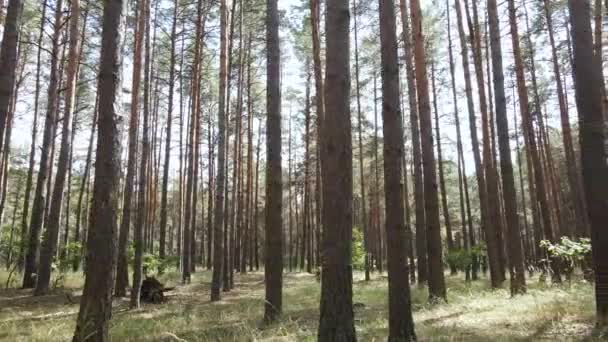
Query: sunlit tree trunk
point(96, 301)
point(401, 322)
point(40, 196)
point(516, 262)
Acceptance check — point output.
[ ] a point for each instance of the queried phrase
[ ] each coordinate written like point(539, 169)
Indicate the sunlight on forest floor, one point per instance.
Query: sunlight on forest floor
point(474, 313)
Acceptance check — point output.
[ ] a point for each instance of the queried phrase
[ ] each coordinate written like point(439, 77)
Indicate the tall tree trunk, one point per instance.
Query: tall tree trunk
point(33, 149)
point(574, 180)
point(273, 253)
point(163, 201)
point(218, 216)
point(364, 227)
point(8, 60)
point(96, 302)
point(431, 201)
point(587, 80)
point(36, 222)
point(249, 186)
point(516, 262)
point(421, 249)
point(444, 195)
point(140, 218)
point(122, 276)
point(401, 322)
point(336, 319)
point(256, 249)
point(486, 223)
point(307, 200)
point(493, 230)
point(49, 244)
point(459, 149)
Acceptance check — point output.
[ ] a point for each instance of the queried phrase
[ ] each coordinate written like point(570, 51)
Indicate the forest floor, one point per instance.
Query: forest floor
point(473, 312)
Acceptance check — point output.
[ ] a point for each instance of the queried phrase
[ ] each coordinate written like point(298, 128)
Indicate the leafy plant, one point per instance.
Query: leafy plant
point(358, 256)
point(569, 253)
point(461, 259)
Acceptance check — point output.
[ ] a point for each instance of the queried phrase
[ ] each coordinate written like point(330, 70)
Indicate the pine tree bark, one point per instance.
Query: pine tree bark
point(587, 80)
point(49, 244)
point(486, 223)
point(574, 180)
point(122, 276)
point(144, 174)
point(437, 289)
point(273, 253)
point(163, 201)
point(401, 322)
point(444, 195)
point(421, 253)
point(40, 196)
point(96, 302)
point(33, 149)
point(364, 226)
point(516, 261)
point(216, 283)
point(493, 230)
point(337, 319)
point(8, 60)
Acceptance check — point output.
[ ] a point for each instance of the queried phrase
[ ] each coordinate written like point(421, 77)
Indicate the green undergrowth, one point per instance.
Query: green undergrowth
point(473, 312)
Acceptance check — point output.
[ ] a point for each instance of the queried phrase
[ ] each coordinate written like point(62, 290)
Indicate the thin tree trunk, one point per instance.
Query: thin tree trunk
point(437, 289)
point(216, 283)
point(571, 163)
point(444, 195)
point(163, 201)
point(38, 206)
point(122, 277)
point(140, 219)
point(486, 223)
point(364, 226)
point(421, 252)
point(33, 149)
point(493, 228)
point(49, 244)
point(401, 322)
point(516, 261)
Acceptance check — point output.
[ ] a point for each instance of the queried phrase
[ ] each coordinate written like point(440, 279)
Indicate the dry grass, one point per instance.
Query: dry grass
point(474, 313)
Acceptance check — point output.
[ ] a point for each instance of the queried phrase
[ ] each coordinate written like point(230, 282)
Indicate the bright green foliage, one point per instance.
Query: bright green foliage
point(462, 259)
point(358, 257)
point(69, 256)
point(569, 253)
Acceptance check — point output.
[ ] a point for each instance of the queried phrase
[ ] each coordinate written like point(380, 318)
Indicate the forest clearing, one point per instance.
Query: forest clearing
point(473, 313)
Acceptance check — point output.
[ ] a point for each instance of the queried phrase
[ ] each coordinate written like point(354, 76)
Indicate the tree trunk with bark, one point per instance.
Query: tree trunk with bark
point(401, 322)
point(122, 274)
point(8, 60)
point(437, 289)
point(49, 244)
point(218, 215)
point(336, 313)
point(516, 260)
point(421, 253)
point(587, 80)
point(40, 196)
point(96, 302)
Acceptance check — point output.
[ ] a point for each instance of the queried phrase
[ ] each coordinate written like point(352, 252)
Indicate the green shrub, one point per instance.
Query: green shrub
point(358, 256)
point(569, 253)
